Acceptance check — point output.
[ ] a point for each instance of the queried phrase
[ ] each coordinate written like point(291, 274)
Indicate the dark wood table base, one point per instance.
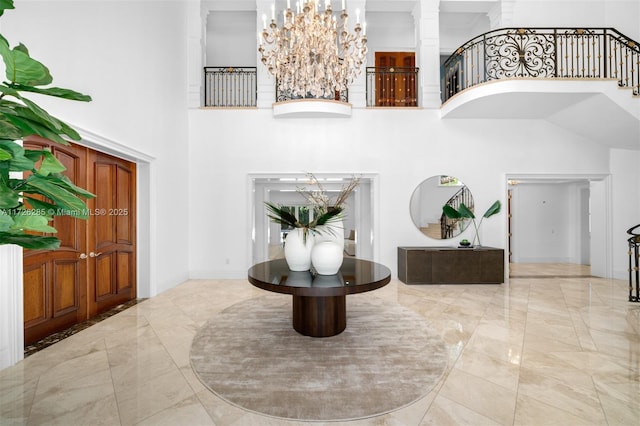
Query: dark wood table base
point(319, 316)
point(320, 301)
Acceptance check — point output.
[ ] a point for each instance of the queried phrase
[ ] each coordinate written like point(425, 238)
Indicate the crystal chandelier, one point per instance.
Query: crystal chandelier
point(312, 55)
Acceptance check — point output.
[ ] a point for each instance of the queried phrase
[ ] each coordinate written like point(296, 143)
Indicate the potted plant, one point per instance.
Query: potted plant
point(327, 221)
point(32, 186)
point(463, 212)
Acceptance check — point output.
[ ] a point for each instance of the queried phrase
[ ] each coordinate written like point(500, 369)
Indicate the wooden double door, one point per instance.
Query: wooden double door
point(95, 267)
point(396, 79)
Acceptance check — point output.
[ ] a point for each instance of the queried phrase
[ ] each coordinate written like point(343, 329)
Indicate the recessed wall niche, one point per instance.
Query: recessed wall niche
point(359, 216)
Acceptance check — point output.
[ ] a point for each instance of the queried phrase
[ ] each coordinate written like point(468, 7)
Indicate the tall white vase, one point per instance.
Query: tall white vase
point(327, 257)
point(297, 251)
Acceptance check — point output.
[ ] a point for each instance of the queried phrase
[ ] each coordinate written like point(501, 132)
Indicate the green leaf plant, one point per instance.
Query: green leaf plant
point(32, 186)
point(463, 212)
point(280, 215)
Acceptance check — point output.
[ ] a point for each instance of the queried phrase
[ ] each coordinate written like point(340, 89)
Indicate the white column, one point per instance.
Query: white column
point(11, 308)
point(427, 19)
point(358, 89)
point(266, 81)
point(196, 30)
point(501, 15)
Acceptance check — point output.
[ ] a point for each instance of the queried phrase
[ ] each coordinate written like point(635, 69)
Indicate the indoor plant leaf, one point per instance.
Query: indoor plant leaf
point(6, 221)
point(63, 198)
point(281, 215)
point(33, 242)
point(30, 124)
point(42, 205)
point(4, 5)
point(465, 211)
point(24, 220)
point(8, 197)
point(19, 162)
point(5, 155)
point(50, 164)
point(450, 212)
point(22, 68)
point(53, 91)
point(9, 130)
point(495, 208)
point(65, 182)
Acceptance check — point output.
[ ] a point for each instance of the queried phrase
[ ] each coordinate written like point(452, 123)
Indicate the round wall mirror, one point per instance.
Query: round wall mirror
point(426, 206)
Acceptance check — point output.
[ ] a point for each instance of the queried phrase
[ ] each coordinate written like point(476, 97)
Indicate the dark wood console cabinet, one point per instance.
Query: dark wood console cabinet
point(450, 265)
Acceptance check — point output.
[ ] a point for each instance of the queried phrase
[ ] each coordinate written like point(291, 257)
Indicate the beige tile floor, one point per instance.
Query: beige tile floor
point(550, 350)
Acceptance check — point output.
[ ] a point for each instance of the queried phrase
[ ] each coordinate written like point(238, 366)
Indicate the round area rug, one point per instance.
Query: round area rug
point(387, 358)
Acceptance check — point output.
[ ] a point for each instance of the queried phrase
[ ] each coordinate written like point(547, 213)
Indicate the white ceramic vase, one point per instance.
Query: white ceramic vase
point(326, 257)
point(297, 251)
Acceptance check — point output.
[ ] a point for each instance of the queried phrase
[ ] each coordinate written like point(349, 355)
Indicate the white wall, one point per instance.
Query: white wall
point(231, 39)
point(389, 32)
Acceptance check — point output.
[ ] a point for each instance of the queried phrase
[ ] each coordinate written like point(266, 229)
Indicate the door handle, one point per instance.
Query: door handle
point(92, 254)
point(83, 256)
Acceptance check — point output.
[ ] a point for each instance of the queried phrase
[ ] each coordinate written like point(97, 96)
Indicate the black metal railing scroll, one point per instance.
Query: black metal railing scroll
point(571, 53)
point(448, 225)
point(231, 87)
point(634, 263)
point(392, 86)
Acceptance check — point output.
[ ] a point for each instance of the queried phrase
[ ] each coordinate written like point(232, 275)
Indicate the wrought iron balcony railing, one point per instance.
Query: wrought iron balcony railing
point(571, 53)
point(231, 87)
point(392, 86)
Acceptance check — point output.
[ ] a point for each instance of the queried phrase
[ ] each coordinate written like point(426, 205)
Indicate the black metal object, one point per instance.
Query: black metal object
point(578, 53)
point(392, 86)
point(233, 87)
point(634, 259)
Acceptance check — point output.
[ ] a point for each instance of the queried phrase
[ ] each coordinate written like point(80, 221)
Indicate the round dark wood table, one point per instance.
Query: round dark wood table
point(319, 301)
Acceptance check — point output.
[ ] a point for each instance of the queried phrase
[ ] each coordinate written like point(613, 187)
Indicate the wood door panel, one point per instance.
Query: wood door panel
point(124, 201)
point(104, 190)
point(125, 270)
point(65, 287)
point(104, 273)
point(35, 294)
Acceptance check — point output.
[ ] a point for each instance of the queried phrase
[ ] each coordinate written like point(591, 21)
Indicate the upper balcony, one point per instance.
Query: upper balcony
point(586, 80)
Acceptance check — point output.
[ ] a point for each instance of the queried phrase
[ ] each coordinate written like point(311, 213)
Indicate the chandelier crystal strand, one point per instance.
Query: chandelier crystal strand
point(312, 54)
